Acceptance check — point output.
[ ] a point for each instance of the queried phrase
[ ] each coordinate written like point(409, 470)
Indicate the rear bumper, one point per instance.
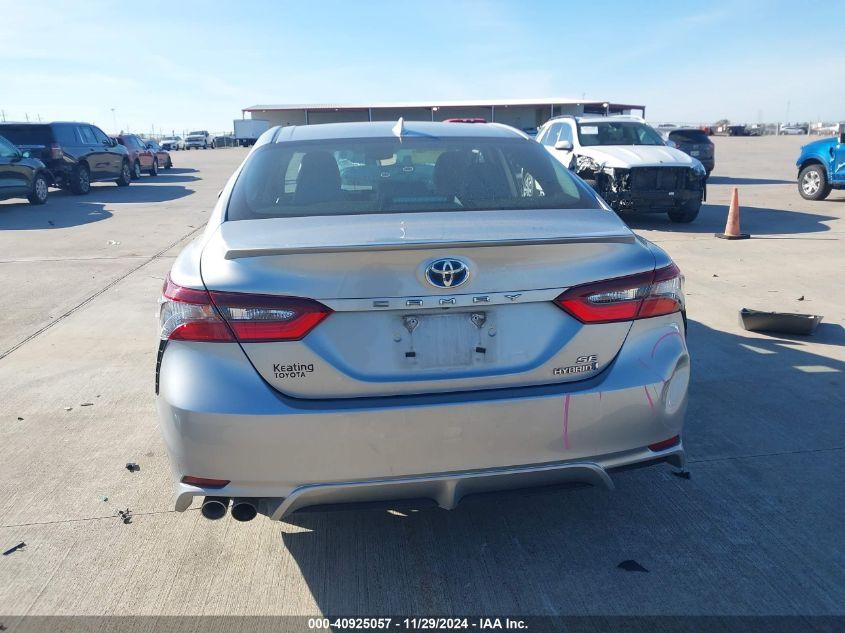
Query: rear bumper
point(221, 420)
point(447, 490)
point(59, 173)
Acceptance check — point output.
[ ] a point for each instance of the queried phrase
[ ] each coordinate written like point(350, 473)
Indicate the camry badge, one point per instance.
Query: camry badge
point(447, 273)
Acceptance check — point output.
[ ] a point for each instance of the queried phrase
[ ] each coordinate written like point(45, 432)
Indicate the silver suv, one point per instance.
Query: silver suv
point(418, 310)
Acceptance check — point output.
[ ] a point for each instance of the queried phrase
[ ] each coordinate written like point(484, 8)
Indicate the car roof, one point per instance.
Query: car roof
point(385, 129)
point(34, 123)
point(597, 118)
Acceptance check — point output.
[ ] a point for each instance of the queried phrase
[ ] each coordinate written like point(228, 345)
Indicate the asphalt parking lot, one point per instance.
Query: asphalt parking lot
point(758, 529)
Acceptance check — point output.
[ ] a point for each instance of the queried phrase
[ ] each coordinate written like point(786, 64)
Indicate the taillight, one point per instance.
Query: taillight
point(626, 298)
point(261, 318)
point(198, 315)
point(188, 315)
point(666, 294)
point(56, 152)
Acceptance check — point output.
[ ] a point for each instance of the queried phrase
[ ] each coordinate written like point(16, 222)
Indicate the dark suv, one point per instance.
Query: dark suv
point(694, 142)
point(76, 154)
point(22, 176)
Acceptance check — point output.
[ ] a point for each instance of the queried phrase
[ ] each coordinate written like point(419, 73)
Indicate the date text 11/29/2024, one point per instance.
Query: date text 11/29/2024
point(417, 623)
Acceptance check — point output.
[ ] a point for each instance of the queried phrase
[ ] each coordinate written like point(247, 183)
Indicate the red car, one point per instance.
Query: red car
point(464, 120)
point(141, 158)
point(161, 154)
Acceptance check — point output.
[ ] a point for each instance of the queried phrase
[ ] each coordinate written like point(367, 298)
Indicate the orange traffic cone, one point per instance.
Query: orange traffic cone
point(732, 231)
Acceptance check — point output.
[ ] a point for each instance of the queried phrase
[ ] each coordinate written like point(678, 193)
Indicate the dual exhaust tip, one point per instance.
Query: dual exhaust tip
point(214, 508)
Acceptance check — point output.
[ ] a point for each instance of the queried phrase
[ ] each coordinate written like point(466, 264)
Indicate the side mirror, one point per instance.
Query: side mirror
point(565, 146)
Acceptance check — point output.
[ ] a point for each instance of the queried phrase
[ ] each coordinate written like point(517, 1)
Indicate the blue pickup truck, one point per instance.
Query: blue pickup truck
point(821, 166)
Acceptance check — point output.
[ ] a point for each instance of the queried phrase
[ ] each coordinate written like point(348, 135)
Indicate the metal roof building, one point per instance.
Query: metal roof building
point(520, 113)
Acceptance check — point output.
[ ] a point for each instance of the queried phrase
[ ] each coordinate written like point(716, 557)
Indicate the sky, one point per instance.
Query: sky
point(163, 66)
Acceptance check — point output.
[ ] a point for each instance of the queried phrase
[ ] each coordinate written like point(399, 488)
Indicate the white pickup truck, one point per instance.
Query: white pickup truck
point(199, 139)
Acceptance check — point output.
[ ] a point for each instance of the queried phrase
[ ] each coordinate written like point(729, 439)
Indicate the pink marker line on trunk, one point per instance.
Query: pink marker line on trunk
point(668, 334)
point(650, 401)
point(566, 423)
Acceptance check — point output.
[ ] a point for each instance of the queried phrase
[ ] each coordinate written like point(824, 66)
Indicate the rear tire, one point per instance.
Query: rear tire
point(80, 180)
point(125, 175)
point(686, 213)
point(813, 184)
point(154, 169)
point(40, 190)
point(169, 164)
point(136, 170)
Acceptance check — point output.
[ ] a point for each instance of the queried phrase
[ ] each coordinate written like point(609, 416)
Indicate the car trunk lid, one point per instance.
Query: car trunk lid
point(392, 331)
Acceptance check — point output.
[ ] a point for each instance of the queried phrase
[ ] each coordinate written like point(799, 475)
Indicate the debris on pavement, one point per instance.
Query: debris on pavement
point(683, 474)
point(20, 419)
point(68, 408)
point(14, 549)
point(113, 243)
point(801, 298)
point(782, 322)
point(125, 515)
point(87, 404)
point(132, 467)
point(631, 565)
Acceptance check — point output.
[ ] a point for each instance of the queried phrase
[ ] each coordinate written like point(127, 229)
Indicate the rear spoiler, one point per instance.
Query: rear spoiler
point(264, 251)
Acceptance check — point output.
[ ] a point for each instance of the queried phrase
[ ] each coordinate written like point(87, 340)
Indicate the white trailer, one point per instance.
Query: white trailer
point(247, 131)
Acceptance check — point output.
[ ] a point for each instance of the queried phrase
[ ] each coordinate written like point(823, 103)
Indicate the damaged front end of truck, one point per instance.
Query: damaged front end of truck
point(644, 188)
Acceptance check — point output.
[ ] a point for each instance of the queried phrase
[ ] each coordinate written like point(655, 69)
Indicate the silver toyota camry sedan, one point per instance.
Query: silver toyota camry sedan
point(413, 311)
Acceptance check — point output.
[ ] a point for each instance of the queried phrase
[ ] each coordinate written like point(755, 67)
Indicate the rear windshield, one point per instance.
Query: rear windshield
point(617, 133)
point(386, 175)
point(27, 134)
point(689, 136)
